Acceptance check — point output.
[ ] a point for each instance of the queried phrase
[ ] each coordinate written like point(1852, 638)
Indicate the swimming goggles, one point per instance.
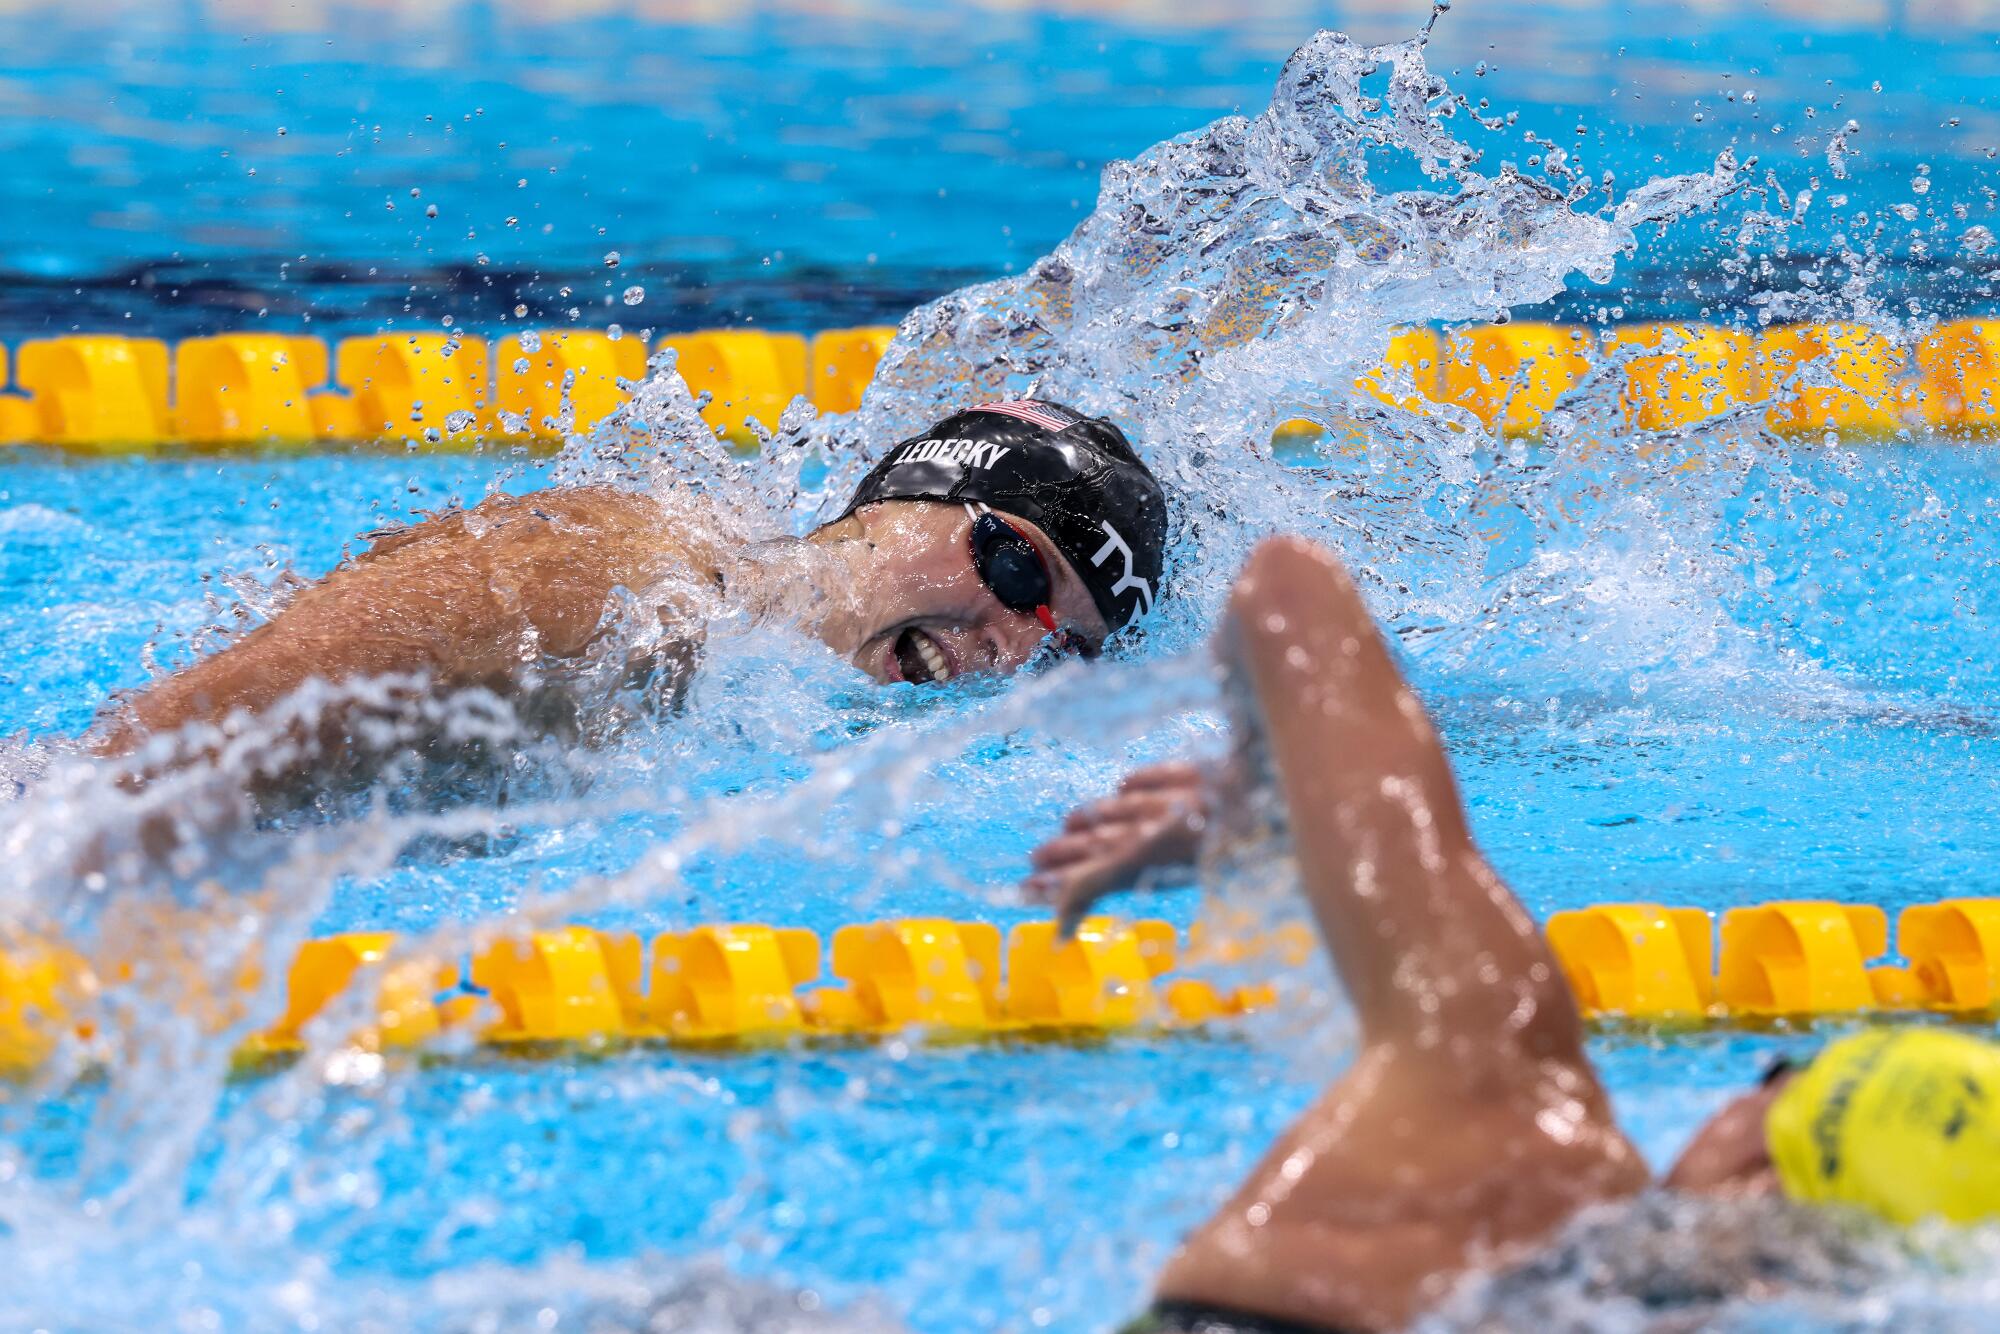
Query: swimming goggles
point(1013, 570)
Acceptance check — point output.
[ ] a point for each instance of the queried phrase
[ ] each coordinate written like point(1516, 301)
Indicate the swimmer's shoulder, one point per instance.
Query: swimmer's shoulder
point(1376, 1200)
point(559, 516)
point(579, 512)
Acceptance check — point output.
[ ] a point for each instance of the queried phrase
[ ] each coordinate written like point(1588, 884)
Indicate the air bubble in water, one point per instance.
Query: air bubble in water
point(459, 421)
point(634, 295)
point(531, 341)
point(611, 259)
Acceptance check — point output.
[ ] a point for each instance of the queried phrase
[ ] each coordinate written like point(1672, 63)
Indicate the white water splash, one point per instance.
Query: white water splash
point(1227, 281)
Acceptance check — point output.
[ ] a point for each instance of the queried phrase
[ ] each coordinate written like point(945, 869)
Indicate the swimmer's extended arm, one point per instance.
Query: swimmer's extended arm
point(463, 599)
point(1431, 945)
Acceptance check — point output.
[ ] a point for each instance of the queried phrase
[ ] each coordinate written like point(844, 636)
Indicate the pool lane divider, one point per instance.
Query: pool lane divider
point(1628, 963)
point(110, 394)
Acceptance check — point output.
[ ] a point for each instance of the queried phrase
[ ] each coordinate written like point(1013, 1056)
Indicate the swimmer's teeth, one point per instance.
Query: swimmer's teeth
point(934, 660)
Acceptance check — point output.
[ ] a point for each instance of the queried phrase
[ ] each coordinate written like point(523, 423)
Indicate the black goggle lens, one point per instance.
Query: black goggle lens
point(1009, 565)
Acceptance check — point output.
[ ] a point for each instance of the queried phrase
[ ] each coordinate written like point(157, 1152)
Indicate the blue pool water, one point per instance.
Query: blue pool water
point(195, 167)
point(1850, 751)
point(1740, 672)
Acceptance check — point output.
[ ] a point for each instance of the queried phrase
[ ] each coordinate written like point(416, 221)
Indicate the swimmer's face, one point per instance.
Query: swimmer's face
point(925, 614)
point(1730, 1155)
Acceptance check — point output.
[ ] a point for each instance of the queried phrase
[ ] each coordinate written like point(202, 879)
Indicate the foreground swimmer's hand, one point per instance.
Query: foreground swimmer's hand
point(1152, 825)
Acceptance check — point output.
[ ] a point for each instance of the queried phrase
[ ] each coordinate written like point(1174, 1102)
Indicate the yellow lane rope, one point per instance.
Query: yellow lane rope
point(102, 393)
point(1796, 959)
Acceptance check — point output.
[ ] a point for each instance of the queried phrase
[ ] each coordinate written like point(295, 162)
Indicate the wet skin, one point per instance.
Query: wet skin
point(912, 563)
point(520, 584)
point(1471, 1125)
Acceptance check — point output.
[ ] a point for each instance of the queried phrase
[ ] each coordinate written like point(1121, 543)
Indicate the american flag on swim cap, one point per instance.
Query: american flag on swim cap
point(1044, 415)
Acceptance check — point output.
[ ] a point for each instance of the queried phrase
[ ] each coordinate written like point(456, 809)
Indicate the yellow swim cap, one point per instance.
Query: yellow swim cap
point(1905, 1122)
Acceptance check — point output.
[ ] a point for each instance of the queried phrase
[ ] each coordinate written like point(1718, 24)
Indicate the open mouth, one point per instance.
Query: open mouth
point(921, 659)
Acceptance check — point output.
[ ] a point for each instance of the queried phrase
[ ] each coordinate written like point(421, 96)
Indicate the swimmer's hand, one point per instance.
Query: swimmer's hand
point(1153, 824)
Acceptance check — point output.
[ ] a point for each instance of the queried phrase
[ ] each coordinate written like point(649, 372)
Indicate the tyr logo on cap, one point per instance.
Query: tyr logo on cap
point(1126, 580)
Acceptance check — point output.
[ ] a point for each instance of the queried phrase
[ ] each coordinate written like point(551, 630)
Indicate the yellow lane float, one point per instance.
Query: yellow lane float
point(1697, 373)
point(546, 386)
point(1790, 960)
point(1867, 369)
point(109, 394)
point(248, 389)
point(1516, 369)
point(841, 362)
point(91, 393)
point(745, 373)
point(428, 387)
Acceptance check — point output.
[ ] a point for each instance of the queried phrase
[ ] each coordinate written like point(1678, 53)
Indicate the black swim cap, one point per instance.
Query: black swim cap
point(1074, 476)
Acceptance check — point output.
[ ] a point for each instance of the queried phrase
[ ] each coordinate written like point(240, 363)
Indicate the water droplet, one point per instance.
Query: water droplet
point(611, 259)
point(634, 295)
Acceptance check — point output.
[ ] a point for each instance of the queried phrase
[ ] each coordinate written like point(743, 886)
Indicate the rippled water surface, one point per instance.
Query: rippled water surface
point(1707, 668)
point(196, 165)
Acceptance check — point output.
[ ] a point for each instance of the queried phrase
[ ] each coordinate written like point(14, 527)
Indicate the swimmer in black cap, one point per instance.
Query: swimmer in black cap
point(1064, 526)
point(1004, 529)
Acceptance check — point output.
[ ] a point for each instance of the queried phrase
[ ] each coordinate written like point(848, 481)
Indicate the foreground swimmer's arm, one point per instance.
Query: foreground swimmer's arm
point(465, 599)
point(1428, 941)
point(1470, 1125)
